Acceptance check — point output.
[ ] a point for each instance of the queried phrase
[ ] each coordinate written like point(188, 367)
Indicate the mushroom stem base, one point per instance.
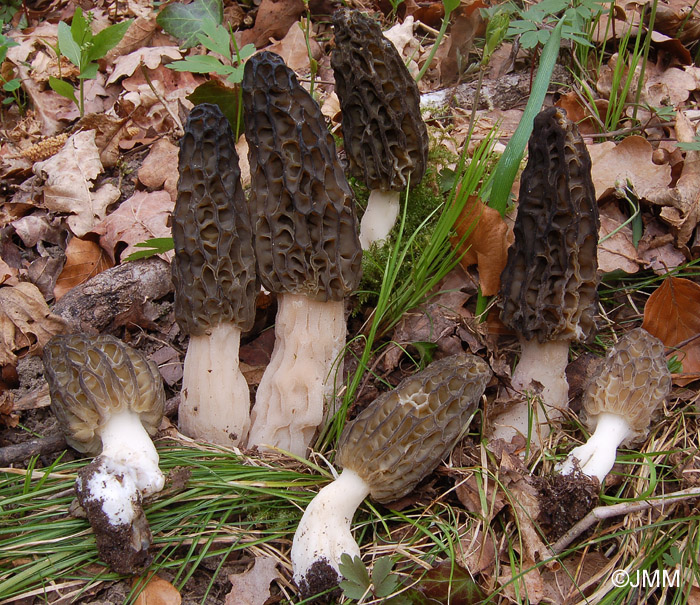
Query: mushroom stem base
point(543, 363)
point(597, 456)
point(379, 218)
point(215, 403)
point(289, 405)
point(323, 534)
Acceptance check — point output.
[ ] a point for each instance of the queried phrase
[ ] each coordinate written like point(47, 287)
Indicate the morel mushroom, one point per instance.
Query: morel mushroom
point(306, 246)
point(215, 281)
point(385, 452)
point(549, 285)
point(619, 402)
point(108, 399)
point(386, 140)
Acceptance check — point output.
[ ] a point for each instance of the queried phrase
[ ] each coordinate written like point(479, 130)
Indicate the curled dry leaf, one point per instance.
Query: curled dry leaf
point(84, 259)
point(486, 244)
point(272, 20)
point(252, 587)
point(672, 314)
point(292, 48)
point(68, 180)
point(151, 57)
point(143, 216)
point(615, 251)
point(160, 169)
point(26, 323)
point(156, 592)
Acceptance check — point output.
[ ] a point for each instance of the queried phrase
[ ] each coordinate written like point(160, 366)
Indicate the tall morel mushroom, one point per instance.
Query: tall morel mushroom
point(307, 250)
point(108, 399)
point(386, 140)
point(215, 280)
point(549, 285)
point(619, 402)
point(385, 452)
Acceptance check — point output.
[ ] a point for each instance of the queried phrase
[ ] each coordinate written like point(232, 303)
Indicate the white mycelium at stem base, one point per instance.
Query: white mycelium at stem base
point(215, 403)
point(544, 363)
point(323, 534)
point(379, 218)
point(309, 338)
point(597, 456)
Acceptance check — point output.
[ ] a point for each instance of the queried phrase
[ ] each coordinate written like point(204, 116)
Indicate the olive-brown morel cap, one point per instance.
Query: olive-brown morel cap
point(306, 238)
point(633, 382)
point(385, 138)
point(549, 285)
point(214, 264)
point(403, 434)
point(92, 378)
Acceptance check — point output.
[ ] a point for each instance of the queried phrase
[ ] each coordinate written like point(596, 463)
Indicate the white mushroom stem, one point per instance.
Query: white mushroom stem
point(215, 403)
point(379, 217)
point(543, 363)
point(323, 534)
point(289, 405)
point(597, 456)
point(129, 450)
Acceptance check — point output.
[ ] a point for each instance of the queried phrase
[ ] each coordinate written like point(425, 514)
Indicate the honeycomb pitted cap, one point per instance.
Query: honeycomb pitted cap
point(549, 285)
point(403, 434)
point(633, 383)
point(92, 378)
point(303, 211)
point(214, 264)
point(385, 137)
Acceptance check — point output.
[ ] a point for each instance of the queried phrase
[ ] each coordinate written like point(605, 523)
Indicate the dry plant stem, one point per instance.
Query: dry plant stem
point(380, 216)
point(215, 404)
point(544, 363)
point(289, 405)
point(615, 510)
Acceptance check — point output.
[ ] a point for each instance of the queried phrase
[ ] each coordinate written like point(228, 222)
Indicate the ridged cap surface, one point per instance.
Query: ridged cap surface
point(403, 434)
point(92, 378)
point(633, 382)
point(305, 227)
point(385, 138)
point(548, 287)
point(214, 264)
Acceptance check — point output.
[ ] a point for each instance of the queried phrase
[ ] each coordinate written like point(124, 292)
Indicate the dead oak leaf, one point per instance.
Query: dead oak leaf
point(151, 57)
point(672, 314)
point(26, 323)
point(615, 247)
point(84, 259)
point(157, 591)
point(68, 177)
point(252, 587)
point(143, 216)
point(160, 168)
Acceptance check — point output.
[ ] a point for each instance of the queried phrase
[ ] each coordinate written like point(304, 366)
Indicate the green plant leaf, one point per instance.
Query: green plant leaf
point(156, 245)
point(201, 64)
point(186, 21)
point(11, 85)
point(236, 74)
point(246, 52)
point(450, 583)
point(68, 47)
point(107, 39)
point(89, 72)
point(383, 580)
point(63, 88)
point(215, 38)
point(80, 28)
point(353, 569)
point(218, 93)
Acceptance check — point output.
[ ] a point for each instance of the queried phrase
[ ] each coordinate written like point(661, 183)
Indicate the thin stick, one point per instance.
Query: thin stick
point(22, 451)
point(624, 508)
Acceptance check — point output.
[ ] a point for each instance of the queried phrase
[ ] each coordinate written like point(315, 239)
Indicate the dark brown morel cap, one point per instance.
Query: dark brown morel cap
point(306, 238)
point(386, 140)
point(214, 263)
point(549, 285)
point(633, 382)
point(92, 378)
point(403, 434)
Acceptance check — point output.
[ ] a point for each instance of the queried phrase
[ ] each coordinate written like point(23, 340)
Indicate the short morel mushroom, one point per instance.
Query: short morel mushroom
point(549, 285)
point(619, 402)
point(215, 280)
point(108, 399)
point(307, 250)
point(385, 138)
point(385, 452)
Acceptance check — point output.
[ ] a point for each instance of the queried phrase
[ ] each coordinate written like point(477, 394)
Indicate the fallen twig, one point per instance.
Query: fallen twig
point(21, 451)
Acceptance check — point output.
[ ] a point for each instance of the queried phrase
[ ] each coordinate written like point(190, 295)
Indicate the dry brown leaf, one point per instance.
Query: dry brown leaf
point(630, 159)
point(252, 587)
point(157, 592)
point(273, 20)
point(151, 57)
point(672, 314)
point(143, 216)
point(8, 275)
point(478, 551)
point(69, 175)
point(84, 259)
point(26, 323)
point(617, 251)
point(160, 168)
point(292, 48)
point(486, 243)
